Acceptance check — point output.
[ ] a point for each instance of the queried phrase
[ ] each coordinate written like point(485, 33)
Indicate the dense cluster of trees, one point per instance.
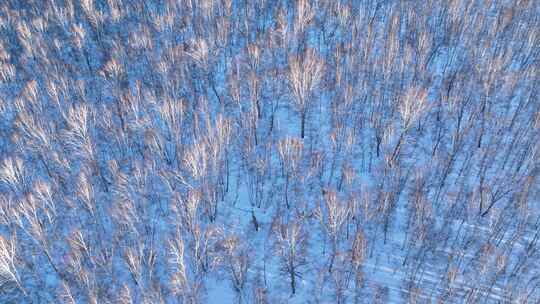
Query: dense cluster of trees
point(299, 151)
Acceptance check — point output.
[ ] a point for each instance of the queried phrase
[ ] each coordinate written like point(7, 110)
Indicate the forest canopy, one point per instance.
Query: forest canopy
point(223, 151)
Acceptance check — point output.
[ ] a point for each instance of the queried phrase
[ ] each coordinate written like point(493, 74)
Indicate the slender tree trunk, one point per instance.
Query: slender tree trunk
point(303, 124)
point(293, 281)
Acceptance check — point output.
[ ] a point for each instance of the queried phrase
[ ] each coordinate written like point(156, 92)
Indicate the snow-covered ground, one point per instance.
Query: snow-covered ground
point(269, 151)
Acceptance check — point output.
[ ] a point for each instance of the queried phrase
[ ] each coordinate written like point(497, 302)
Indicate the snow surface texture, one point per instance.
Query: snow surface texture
point(181, 151)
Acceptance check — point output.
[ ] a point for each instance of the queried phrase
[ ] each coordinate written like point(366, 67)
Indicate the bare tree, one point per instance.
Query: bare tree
point(305, 74)
point(332, 215)
point(291, 245)
point(8, 269)
point(237, 264)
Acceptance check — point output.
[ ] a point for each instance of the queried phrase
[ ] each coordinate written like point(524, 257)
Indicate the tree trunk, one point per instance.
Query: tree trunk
point(302, 124)
point(293, 281)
